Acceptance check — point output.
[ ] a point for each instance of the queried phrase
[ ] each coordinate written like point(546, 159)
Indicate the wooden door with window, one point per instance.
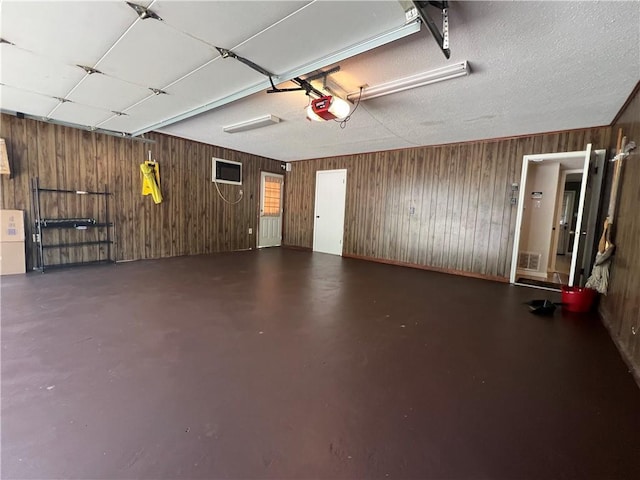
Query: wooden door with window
point(271, 195)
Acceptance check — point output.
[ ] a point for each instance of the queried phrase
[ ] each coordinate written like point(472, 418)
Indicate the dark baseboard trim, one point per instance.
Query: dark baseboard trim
point(635, 370)
point(429, 268)
point(296, 247)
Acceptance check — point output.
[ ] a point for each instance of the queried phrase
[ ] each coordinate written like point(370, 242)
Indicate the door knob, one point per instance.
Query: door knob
point(317, 216)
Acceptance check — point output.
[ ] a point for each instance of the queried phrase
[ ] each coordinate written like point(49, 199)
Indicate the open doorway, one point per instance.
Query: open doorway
point(556, 218)
point(566, 219)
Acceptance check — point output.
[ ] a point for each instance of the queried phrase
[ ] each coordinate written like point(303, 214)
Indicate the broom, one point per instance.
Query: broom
point(599, 279)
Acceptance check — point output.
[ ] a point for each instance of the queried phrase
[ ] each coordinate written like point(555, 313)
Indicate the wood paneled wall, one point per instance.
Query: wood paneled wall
point(620, 309)
point(191, 220)
point(463, 221)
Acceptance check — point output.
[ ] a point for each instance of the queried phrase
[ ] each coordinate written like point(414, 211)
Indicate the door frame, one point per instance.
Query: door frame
point(521, 197)
point(263, 174)
point(315, 205)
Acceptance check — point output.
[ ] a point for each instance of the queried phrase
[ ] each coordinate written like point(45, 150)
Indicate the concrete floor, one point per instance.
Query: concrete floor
point(287, 364)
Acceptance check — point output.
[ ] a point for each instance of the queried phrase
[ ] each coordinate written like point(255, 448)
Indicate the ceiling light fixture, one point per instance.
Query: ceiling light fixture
point(426, 78)
point(328, 108)
point(259, 122)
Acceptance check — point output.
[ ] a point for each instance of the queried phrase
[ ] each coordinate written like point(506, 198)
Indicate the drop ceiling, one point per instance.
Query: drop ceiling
point(536, 67)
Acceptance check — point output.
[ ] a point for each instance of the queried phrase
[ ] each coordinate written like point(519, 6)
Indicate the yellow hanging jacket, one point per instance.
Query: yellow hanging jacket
point(150, 173)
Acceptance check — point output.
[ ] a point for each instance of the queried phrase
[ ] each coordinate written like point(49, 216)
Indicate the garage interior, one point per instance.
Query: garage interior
point(191, 351)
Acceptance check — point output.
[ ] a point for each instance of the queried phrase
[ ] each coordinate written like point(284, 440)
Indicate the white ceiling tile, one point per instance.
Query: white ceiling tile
point(80, 114)
point(16, 100)
point(28, 71)
point(155, 108)
point(224, 23)
point(108, 93)
point(220, 78)
point(77, 32)
point(154, 55)
point(321, 29)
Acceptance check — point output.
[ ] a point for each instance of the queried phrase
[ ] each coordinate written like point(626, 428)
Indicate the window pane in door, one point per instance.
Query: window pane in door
point(272, 197)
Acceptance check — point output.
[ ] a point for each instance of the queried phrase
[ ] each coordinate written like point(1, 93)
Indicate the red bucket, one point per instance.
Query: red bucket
point(578, 299)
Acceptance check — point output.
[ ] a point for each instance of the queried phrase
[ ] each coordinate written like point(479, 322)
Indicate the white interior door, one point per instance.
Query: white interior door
point(585, 210)
point(270, 225)
point(590, 216)
point(579, 236)
point(328, 226)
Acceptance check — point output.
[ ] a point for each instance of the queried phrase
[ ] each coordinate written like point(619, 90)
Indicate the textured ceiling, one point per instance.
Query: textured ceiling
point(536, 67)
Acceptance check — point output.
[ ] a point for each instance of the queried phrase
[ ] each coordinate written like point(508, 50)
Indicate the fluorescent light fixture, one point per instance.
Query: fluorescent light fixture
point(425, 78)
point(259, 122)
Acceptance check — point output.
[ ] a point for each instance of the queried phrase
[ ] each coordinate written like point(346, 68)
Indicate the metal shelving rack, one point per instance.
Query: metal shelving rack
point(43, 224)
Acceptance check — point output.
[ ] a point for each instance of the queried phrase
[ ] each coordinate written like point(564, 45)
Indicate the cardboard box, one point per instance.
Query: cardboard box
point(12, 258)
point(11, 226)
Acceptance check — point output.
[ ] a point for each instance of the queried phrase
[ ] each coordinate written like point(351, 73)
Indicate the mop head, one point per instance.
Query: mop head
point(599, 279)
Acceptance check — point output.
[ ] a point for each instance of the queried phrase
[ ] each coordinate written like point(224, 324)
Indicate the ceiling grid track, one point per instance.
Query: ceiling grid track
point(84, 67)
point(273, 25)
point(316, 65)
point(279, 24)
point(96, 66)
point(63, 100)
point(219, 57)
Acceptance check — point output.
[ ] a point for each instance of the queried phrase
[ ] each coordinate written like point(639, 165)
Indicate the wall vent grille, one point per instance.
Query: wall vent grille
point(529, 261)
